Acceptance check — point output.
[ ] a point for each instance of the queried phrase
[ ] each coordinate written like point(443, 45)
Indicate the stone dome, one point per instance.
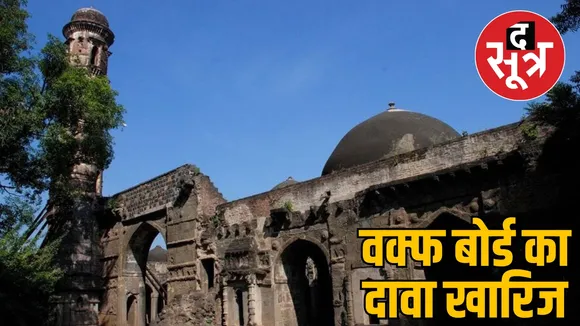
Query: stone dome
point(157, 254)
point(91, 15)
point(389, 133)
point(288, 182)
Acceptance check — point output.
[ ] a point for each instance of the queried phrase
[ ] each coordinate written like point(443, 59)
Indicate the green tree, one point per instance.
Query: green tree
point(561, 108)
point(42, 99)
point(568, 20)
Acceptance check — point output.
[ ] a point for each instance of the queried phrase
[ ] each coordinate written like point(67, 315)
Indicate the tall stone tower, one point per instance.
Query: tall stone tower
point(77, 297)
point(88, 38)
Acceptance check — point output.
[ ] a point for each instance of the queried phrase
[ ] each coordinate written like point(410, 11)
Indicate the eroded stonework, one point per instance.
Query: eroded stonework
point(291, 257)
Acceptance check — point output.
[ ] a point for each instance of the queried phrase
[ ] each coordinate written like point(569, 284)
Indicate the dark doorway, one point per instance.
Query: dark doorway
point(309, 282)
point(240, 305)
point(208, 268)
point(132, 311)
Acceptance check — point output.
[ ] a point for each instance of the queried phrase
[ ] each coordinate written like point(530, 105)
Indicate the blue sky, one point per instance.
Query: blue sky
point(255, 91)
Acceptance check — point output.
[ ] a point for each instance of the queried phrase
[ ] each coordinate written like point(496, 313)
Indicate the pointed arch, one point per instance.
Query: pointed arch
point(304, 283)
point(444, 213)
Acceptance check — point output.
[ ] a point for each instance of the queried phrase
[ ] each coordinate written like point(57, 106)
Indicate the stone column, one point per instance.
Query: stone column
point(349, 307)
point(121, 302)
point(142, 306)
point(224, 302)
point(251, 280)
point(338, 274)
point(154, 305)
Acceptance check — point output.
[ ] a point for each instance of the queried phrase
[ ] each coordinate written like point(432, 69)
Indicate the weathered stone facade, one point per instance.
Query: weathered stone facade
point(291, 256)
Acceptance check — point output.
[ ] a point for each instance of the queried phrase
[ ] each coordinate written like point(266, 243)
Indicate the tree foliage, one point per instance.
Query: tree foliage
point(561, 109)
point(568, 20)
point(42, 100)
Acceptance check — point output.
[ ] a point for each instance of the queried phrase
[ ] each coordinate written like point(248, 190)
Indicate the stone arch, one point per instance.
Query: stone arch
point(441, 213)
point(304, 283)
point(137, 242)
point(133, 229)
point(281, 249)
point(136, 245)
point(131, 315)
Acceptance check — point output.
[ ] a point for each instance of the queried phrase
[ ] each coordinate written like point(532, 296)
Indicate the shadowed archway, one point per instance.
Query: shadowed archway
point(305, 294)
point(132, 311)
point(141, 273)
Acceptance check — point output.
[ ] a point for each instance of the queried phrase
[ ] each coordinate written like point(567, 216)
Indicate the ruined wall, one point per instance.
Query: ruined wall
point(159, 269)
point(345, 184)
point(175, 205)
point(485, 175)
point(270, 258)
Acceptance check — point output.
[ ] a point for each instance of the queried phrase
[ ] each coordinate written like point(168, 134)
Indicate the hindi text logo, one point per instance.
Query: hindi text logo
point(520, 55)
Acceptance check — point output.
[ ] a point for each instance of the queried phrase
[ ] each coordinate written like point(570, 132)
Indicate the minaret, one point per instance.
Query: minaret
point(77, 297)
point(88, 38)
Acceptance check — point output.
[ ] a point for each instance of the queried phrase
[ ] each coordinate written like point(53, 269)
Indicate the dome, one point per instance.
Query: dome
point(90, 15)
point(387, 134)
point(157, 254)
point(288, 182)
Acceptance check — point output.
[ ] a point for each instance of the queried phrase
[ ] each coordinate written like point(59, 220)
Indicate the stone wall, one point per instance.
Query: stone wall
point(256, 247)
point(345, 184)
point(159, 269)
point(152, 195)
point(175, 204)
point(489, 175)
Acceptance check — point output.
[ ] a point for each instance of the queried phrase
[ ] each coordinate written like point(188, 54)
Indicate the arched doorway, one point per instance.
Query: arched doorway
point(145, 272)
point(305, 295)
point(451, 270)
point(132, 311)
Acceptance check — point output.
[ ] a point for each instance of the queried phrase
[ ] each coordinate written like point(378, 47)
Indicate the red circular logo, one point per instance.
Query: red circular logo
point(520, 55)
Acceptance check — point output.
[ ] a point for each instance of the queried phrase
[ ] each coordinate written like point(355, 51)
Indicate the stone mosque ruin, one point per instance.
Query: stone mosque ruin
point(289, 256)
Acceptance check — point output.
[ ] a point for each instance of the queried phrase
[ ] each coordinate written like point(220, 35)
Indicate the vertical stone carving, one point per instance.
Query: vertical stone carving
point(349, 307)
point(337, 250)
point(339, 292)
point(251, 280)
point(224, 300)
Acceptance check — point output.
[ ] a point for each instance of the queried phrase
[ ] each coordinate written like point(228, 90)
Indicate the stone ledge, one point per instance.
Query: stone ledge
point(345, 184)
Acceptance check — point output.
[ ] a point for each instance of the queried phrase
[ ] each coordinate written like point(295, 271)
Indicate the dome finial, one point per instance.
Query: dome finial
point(391, 106)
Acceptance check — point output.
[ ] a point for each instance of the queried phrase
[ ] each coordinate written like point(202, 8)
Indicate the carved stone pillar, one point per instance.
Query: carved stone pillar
point(154, 305)
point(224, 302)
point(142, 306)
point(251, 279)
point(349, 307)
point(338, 272)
